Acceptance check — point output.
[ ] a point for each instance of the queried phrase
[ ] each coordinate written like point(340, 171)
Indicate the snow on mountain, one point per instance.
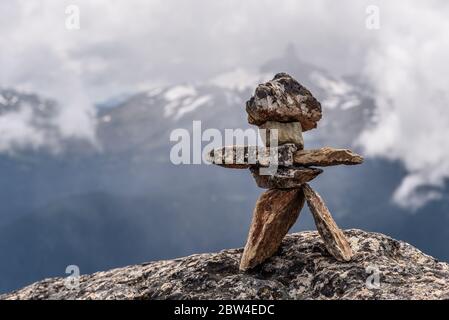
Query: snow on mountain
point(179, 91)
point(240, 79)
point(182, 99)
point(339, 92)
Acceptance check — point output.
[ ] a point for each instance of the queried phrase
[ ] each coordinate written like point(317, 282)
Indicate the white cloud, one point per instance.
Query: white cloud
point(34, 58)
point(17, 131)
point(409, 70)
point(122, 45)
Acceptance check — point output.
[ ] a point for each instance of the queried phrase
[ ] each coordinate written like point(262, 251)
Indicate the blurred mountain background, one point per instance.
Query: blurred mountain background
point(121, 201)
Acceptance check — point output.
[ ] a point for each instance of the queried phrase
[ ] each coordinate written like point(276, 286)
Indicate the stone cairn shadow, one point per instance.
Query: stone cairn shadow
point(283, 109)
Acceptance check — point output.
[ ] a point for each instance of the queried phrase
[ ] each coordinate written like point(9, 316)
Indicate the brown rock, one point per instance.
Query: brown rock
point(243, 157)
point(234, 157)
point(283, 99)
point(326, 157)
point(287, 132)
point(285, 177)
point(275, 213)
point(334, 239)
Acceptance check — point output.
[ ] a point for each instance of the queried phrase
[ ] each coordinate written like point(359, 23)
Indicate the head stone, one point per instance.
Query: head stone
point(283, 99)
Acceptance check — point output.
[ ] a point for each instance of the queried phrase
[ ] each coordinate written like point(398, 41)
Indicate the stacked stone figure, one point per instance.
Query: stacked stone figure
point(283, 109)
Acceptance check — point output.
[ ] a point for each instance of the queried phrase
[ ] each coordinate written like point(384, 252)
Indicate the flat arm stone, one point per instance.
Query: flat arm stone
point(283, 99)
point(243, 157)
point(325, 157)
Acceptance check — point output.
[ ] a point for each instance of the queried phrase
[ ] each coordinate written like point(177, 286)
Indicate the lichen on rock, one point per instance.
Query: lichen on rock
point(301, 269)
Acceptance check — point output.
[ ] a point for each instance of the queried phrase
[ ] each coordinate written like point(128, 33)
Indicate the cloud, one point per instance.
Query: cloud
point(408, 70)
point(122, 45)
point(34, 59)
point(17, 131)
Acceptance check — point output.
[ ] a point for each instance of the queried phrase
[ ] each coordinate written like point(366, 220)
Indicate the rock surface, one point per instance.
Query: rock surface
point(275, 213)
point(285, 177)
point(283, 99)
point(287, 132)
point(325, 157)
point(301, 269)
point(334, 239)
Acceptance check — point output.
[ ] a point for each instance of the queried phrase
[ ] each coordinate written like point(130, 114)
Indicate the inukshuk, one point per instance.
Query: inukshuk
point(284, 109)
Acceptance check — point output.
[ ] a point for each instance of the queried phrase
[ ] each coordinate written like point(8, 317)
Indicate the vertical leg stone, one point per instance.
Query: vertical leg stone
point(275, 213)
point(334, 239)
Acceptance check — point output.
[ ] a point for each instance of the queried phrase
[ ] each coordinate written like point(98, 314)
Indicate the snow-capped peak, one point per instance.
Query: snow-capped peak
point(239, 79)
point(179, 91)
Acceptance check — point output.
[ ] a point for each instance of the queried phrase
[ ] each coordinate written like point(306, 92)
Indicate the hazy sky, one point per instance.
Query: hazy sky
point(128, 45)
point(124, 44)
